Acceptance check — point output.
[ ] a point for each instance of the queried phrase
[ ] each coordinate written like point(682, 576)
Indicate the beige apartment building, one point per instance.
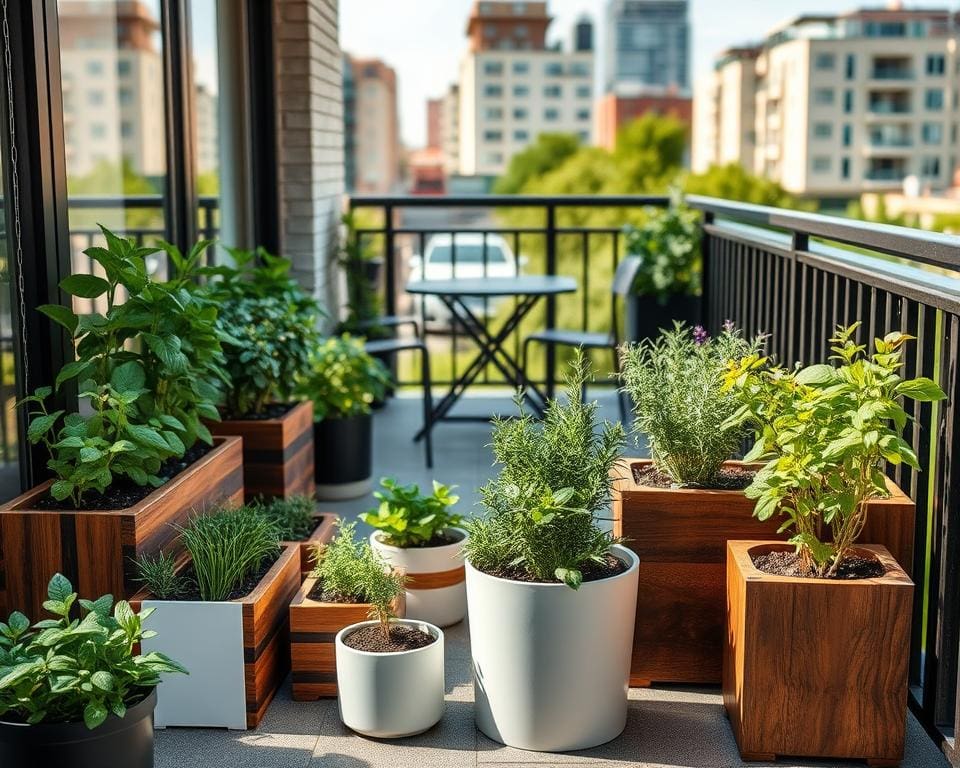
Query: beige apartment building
point(450, 129)
point(513, 87)
point(834, 106)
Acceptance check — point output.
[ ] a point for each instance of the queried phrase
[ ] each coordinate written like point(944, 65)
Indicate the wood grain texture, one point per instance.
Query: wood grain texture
point(680, 536)
point(277, 453)
point(816, 668)
point(313, 628)
point(96, 549)
point(322, 534)
point(436, 579)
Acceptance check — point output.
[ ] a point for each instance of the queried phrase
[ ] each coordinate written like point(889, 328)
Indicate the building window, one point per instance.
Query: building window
point(125, 97)
point(584, 136)
point(845, 167)
point(98, 131)
point(520, 113)
point(934, 99)
point(553, 69)
point(552, 91)
point(580, 69)
point(851, 66)
point(521, 67)
point(931, 133)
point(521, 135)
point(489, 30)
point(492, 91)
point(493, 135)
point(519, 9)
point(521, 90)
point(821, 164)
point(823, 96)
point(95, 68)
point(583, 114)
point(936, 64)
point(848, 101)
point(95, 98)
point(126, 129)
point(493, 113)
point(520, 30)
point(930, 167)
point(847, 135)
point(824, 61)
point(822, 130)
point(584, 92)
point(493, 67)
point(551, 115)
point(493, 158)
point(123, 67)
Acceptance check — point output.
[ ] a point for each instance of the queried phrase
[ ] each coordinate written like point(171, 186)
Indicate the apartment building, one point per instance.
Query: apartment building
point(371, 125)
point(833, 106)
point(513, 87)
point(450, 129)
point(647, 46)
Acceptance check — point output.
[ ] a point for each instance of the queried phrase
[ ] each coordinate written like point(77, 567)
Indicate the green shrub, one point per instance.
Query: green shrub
point(668, 245)
point(293, 518)
point(407, 518)
point(65, 670)
point(676, 385)
point(554, 478)
point(158, 573)
point(343, 380)
point(826, 434)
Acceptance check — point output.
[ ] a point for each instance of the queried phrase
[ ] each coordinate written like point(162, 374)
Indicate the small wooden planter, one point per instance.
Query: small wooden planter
point(322, 534)
point(313, 628)
point(680, 535)
point(816, 667)
point(277, 453)
point(237, 651)
point(95, 549)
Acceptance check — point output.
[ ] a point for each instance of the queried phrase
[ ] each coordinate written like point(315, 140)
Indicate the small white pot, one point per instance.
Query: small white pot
point(552, 664)
point(436, 580)
point(389, 695)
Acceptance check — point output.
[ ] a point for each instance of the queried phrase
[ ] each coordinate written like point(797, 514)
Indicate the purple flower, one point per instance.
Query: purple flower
point(729, 326)
point(699, 334)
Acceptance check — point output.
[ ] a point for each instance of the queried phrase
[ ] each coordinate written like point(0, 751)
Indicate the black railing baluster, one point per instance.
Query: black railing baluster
point(551, 301)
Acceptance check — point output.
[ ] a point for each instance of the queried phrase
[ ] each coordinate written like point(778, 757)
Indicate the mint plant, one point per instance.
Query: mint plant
point(826, 433)
point(407, 518)
point(668, 245)
point(343, 380)
point(65, 670)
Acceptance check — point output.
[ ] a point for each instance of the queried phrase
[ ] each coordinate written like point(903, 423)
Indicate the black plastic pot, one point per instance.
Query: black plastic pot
point(343, 450)
point(371, 271)
point(118, 743)
point(646, 316)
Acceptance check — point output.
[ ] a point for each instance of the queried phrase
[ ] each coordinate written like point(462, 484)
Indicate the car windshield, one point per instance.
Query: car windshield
point(467, 254)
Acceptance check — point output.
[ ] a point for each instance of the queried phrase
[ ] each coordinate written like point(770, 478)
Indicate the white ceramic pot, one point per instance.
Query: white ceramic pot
point(552, 664)
point(436, 580)
point(389, 695)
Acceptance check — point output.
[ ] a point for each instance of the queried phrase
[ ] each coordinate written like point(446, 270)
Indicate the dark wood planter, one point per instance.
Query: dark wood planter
point(277, 453)
point(253, 638)
point(96, 549)
point(313, 628)
point(322, 534)
point(645, 316)
point(680, 535)
point(816, 667)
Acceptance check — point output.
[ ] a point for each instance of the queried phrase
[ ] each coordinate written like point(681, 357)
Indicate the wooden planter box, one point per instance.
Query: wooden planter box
point(313, 628)
point(277, 453)
point(680, 535)
point(322, 534)
point(96, 549)
point(237, 651)
point(816, 667)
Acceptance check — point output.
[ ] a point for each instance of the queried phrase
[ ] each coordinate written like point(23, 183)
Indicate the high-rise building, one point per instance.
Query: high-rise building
point(371, 125)
point(831, 106)
point(435, 123)
point(648, 46)
point(205, 113)
point(513, 87)
point(450, 129)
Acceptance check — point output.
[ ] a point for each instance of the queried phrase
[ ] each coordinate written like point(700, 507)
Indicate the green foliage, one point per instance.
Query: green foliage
point(407, 518)
point(676, 385)
point(668, 244)
point(732, 182)
point(293, 518)
point(145, 366)
point(649, 151)
point(826, 434)
point(356, 253)
point(268, 325)
point(65, 670)
point(228, 546)
point(158, 573)
point(350, 571)
point(343, 380)
point(554, 479)
point(547, 153)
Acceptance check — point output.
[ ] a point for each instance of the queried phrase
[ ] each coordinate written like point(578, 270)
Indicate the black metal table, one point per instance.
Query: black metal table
point(527, 289)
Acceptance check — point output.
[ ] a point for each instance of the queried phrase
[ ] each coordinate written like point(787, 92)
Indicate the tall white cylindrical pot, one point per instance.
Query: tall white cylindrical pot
point(389, 695)
point(552, 664)
point(436, 586)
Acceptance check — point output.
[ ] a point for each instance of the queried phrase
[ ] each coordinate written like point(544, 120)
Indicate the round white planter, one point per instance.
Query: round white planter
point(552, 664)
point(388, 695)
point(436, 586)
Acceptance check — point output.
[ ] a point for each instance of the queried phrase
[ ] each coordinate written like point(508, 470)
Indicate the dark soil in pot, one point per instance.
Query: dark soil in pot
point(271, 411)
point(442, 539)
point(610, 567)
point(730, 478)
point(402, 638)
point(789, 564)
point(124, 492)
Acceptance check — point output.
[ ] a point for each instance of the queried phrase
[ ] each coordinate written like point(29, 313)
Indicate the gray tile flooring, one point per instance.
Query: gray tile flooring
point(667, 727)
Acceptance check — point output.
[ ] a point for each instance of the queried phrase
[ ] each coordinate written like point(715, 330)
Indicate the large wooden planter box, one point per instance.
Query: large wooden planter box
point(680, 535)
point(313, 628)
point(816, 667)
point(277, 453)
point(96, 549)
point(237, 651)
point(322, 534)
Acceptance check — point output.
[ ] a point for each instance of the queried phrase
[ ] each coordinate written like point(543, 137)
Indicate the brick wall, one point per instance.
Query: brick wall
point(307, 66)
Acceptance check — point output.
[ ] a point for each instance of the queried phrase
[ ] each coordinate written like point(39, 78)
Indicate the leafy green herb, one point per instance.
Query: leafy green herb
point(363, 302)
point(554, 479)
point(293, 518)
point(343, 380)
point(158, 573)
point(668, 244)
point(826, 434)
point(65, 670)
point(407, 518)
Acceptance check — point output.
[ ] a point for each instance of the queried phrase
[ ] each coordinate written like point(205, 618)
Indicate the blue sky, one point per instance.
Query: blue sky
point(424, 39)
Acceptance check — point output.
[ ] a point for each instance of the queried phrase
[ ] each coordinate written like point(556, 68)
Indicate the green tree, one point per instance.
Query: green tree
point(732, 182)
point(649, 153)
point(547, 153)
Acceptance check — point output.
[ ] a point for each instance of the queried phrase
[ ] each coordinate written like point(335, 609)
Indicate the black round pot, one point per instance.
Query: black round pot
point(646, 316)
point(371, 271)
point(118, 743)
point(343, 456)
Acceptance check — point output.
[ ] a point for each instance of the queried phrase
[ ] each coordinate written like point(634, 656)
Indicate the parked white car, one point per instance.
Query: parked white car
point(467, 255)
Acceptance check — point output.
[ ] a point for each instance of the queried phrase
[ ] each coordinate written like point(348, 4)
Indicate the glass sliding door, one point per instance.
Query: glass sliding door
point(204, 52)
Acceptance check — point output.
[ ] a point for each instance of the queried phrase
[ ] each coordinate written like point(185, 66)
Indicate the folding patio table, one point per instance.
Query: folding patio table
point(454, 293)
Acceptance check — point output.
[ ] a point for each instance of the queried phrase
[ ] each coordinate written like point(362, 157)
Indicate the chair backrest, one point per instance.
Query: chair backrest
point(624, 276)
